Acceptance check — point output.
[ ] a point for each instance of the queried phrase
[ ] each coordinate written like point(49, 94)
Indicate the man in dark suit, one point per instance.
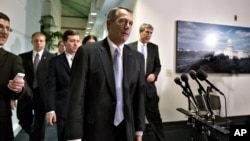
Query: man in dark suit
point(10, 88)
point(152, 69)
point(58, 82)
point(36, 64)
point(60, 47)
point(95, 92)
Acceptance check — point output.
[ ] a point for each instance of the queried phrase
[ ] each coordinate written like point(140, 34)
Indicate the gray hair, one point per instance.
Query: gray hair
point(112, 15)
point(145, 26)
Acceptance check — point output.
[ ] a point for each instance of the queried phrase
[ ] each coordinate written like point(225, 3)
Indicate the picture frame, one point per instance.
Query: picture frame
point(214, 48)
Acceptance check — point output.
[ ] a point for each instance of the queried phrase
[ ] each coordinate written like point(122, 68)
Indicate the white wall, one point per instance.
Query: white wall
point(163, 16)
point(24, 16)
point(24, 19)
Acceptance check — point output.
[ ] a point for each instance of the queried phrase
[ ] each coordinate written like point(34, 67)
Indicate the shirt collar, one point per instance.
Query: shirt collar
point(113, 47)
point(40, 53)
point(69, 56)
point(140, 44)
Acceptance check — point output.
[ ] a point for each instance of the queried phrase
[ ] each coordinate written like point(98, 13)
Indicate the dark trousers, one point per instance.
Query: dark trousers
point(6, 131)
point(38, 130)
point(120, 132)
point(153, 116)
point(60, 125)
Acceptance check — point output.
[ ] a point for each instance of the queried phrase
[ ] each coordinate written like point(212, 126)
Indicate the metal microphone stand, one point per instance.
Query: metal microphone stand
point(209, 89)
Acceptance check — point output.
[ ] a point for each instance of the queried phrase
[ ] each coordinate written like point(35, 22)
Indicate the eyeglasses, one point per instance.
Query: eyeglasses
point(2, 28)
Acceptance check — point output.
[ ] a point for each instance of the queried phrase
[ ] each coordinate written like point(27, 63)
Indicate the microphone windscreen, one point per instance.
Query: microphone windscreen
point(201, 74)
point(184, 77)
point(192, 74)
point(177, 80)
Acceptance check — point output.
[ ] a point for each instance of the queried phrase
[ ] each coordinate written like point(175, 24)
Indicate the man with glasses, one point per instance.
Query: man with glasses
point(10, 88)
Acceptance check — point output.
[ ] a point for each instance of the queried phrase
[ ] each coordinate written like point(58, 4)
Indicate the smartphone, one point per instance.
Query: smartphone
point(19, 76)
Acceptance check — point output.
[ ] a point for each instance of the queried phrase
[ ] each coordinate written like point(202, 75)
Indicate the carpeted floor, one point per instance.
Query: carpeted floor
point(50, 134)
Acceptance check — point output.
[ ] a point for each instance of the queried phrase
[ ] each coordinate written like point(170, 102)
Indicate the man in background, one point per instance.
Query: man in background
point(58, 82)
point(60, 47)
point(106, 93)
point(36, 65)
point(10, 88)
point(152, 69)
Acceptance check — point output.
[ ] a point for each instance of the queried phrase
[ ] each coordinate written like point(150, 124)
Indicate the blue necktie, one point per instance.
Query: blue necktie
point(36, 63)
point(118, 70)
point(143, 49)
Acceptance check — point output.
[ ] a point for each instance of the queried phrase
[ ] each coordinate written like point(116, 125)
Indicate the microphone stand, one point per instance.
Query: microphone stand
point(190, 101)
point(209, 89)
point(202, 93)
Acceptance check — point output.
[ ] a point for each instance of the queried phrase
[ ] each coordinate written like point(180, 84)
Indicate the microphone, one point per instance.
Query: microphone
point(192, 74)
point(178, 82)
point(202, 75)
point(200, 90)
point(186, 93)
point(184, 78)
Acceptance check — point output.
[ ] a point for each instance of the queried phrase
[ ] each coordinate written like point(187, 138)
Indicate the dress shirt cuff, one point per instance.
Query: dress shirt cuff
point(139, 133)
point(75, 140)
point(50, 112)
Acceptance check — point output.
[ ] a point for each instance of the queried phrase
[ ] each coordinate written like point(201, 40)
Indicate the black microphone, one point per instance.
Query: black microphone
point(192, 74)
point(202, 75)
point(177, 80)
point(184, 78)
point(200, 90)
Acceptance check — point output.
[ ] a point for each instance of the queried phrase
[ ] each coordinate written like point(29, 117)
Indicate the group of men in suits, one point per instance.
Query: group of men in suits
point(87, 94)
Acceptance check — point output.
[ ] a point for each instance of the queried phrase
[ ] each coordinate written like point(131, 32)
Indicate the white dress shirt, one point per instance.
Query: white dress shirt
point(34, 54)
point(70, 58)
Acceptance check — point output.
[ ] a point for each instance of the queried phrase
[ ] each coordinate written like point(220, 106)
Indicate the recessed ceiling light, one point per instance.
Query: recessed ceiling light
point(93, 14)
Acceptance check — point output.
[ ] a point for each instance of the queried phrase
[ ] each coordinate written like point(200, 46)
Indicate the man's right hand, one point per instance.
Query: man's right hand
point(51, 118)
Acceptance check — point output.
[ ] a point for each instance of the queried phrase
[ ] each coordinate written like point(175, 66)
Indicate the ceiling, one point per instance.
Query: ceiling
point(83, 8)
point(76, 8)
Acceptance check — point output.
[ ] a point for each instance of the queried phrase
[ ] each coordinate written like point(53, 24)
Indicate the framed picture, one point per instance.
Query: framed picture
point(212, 47)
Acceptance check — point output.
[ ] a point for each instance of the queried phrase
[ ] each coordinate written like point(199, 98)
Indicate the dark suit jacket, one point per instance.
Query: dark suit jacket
point(41, 71)
point(92, 96)
point(57, 85)
point(10, 65)
point(153, 65)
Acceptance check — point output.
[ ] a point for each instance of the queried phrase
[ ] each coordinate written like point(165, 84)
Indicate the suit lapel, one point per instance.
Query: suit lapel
point(29, 60)
point(149, 52)
point(135, 45)
point(107, 64)
point(43, 59)
point(64, 62)
point(126, 65)
point(3, 56)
